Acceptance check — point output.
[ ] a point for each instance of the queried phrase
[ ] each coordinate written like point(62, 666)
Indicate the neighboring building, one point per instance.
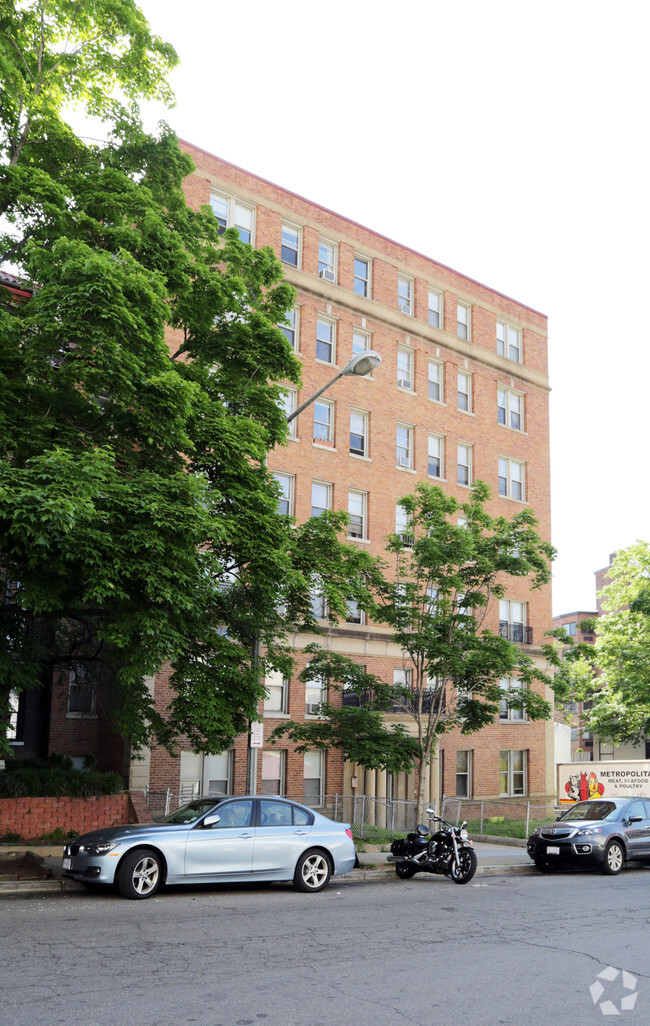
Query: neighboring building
point(461, 395)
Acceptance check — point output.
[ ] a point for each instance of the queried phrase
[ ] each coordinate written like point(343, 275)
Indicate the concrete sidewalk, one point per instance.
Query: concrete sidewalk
point(45, 876)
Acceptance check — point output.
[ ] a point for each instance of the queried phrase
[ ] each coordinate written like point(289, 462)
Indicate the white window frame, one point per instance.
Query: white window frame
point(287, 485)
point(404, 524)
point(464, 321)
point(404, 449)
point(363, 416)
point(354, 614)
point(514, 614)
point(435, 311)
point(289, 404)
point(405, 295)
point(327, 267)
point(506, 713)
point(405, 369)
point(290, 328)
point(505, 333)
point(275, 759)
point(358, 508)
point(297, 231)
point(439, 441)
point(12, 722)
point(326, 322)
point(366, 293)
point(512, 770)
point(465, 772)
point(232, 218)
point(505, 398)
point(276, 699)
point(468, 448)
point(464, 393)
point(315, 694)
point(436, 383)
point(328, 497)
point(318, 600)
point(323, 423)
point(360, 341)
point(314, 760)
point(511, 484)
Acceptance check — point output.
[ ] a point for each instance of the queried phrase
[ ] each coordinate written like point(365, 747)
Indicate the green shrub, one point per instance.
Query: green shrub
point(55, 777)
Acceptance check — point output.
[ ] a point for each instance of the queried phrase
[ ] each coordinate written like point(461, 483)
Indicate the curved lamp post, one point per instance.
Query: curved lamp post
point(360, 364)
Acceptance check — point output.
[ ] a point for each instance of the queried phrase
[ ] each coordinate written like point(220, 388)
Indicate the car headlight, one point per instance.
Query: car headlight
point(590, 831)
point(535, 832)
point(95, 849)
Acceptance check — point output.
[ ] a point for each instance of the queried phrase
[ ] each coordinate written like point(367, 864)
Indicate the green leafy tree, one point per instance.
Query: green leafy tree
point(613, 675)
point(140, 392)
point(436, 601)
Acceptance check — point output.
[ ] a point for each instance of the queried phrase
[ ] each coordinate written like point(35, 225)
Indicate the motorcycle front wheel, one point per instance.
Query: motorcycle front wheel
point(405, 870)
point(463, 870)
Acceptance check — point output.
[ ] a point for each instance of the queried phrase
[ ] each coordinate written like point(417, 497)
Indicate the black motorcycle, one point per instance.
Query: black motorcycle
point(447, 852)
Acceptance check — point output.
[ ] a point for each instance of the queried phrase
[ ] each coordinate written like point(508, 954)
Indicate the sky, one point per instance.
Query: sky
point(507, 140)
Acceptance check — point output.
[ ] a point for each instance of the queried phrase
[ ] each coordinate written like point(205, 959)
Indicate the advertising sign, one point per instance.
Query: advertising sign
point(577, 781)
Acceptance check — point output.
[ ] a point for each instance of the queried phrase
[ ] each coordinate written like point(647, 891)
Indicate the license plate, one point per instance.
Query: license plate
point(67, 863)
point(552, 850)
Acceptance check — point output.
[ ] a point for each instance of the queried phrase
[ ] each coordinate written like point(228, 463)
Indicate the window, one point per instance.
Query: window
point(290, 246)
point(327, 260)
point(230, 213)
point(511, 478)
point(405, 369)
point(435, 381)
point(289, 327)
point(315, 695)
point(404, 446)
point(273, 771)
point(362, 277)
point(402, 678)
point(321, 498)
point(513, 686)
point(353, 613)
point(360, 341)
point(289, 404)
point(509, 341)
point(464, 464)
point(464, 774)
point(570, 628)
point(13, 732)
point(323, 421)
point(404, 295)
point(285, 503)
point(358, 433)
point(318, 601)
point(512, 772)
point(325, 338)
point(510, 407)
point(404, 524)
point(464, 391)
point(435, 308)
point(512, 621)
point(313, 775)
point(277, 693)
point(463, 321)
point(81, 692)
point(436, 452)
point(357, 504)
point(217, 773)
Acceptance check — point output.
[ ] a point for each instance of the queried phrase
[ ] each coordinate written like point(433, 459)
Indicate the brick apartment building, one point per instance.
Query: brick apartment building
point(461, 395)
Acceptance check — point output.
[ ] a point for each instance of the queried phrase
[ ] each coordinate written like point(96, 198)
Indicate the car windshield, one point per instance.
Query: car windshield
point(589, 810)
point(191, 812)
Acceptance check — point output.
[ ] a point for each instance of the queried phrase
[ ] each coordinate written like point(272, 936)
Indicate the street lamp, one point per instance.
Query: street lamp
point(360, 365)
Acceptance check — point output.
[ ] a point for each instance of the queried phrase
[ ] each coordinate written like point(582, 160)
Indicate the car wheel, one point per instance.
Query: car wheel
point(544, 865)
point(614, 858)
point(463, 870)
point(140, 874)
point(313, 871)
point(405, 870)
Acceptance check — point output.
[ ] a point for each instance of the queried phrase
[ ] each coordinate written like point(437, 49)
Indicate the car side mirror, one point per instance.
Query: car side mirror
point(210, 821)
point(635, 819)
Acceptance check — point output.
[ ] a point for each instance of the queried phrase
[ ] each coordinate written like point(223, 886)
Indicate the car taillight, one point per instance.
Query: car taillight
point(349, 833)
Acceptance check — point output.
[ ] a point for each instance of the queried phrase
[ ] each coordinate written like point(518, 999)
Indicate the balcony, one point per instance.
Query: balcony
point(516, 632)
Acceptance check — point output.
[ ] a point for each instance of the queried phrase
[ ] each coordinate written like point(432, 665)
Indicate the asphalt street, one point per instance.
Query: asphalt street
point(505, 949)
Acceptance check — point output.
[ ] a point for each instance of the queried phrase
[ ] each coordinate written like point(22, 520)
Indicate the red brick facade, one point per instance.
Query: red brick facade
point(31, 818)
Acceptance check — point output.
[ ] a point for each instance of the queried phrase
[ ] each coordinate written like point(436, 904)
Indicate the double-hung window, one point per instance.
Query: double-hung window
point(313, 778)
point(315, 695)
point(512, 476)
point(323, 421)
point(357, 507)
point(404, 446)
point(510, 408)
point(290, 245)
point(464, 475)
point(360, 341)
point(435, 381)
point(327, 253)
point(436, 456)
point(289, 403)
point(321, 498)
point(405, 295)
point(435, 308)
point(464, 773)
point(289, 327)
point(509, 341)
point(273, 771)
point(358, 433)
point(82, 697)
point(510, 686)
point(512, 620)
point(231, 213)
point(404, 524)
point(277, 693)
point(362, 277)
point(353, 612)
point(325, 340)
point(13, 732)
point(463, 326)
point(465, 391)
point(285, 502)
point(405, 369)
point(512, 772)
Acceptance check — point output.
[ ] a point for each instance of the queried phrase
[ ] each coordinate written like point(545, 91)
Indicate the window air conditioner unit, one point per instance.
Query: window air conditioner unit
point(327, 274)
point(313, 708)
point(407, 539)
point(404, 383)
point(404, 307)
point(403, 461)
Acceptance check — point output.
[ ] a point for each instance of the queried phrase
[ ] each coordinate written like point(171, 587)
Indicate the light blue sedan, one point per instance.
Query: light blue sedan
point(234, 840)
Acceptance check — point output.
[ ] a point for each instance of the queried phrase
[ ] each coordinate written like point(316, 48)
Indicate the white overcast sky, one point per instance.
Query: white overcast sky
point(507, 139)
